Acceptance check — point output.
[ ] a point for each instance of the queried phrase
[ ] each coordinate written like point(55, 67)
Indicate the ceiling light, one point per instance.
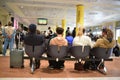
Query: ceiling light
point(93, 13)
point(3, 5)
point(21, 6)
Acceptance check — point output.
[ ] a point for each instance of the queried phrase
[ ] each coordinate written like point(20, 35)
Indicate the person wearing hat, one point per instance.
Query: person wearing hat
point(9, 34)
point(32, 38)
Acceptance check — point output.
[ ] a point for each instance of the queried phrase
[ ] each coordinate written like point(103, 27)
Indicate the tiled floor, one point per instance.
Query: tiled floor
point(44, 72)
point(97, 76)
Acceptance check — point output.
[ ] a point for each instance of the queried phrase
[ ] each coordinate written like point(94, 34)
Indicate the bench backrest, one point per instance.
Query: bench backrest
point(57, 51)
point(80, 51)
point(38, 51)
point(101, 53)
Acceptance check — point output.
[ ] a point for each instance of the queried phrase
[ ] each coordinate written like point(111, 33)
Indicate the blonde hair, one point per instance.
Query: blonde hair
point(81, 31)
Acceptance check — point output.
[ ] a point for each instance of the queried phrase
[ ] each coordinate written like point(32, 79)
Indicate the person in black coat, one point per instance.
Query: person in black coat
point(74, 32)
point(19, 37)
point(32, 38)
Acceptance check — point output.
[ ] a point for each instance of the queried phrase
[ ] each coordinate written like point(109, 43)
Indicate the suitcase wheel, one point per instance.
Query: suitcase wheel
point(11, 66)
point(22, 66)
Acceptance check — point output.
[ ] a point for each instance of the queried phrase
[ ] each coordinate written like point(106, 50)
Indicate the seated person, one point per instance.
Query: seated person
point(60, 41)
point(69, 38)
point(107, 39)
point(81, 39)
point(32, 38)
point(105, 42)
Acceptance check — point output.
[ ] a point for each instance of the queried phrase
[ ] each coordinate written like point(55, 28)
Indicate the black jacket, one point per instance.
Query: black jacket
point(34, 39)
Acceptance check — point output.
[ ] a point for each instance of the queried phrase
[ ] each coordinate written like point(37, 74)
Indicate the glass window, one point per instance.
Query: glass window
point(117, 33)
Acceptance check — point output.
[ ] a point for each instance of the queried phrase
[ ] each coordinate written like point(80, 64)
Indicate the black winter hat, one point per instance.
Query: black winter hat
point(32, 28)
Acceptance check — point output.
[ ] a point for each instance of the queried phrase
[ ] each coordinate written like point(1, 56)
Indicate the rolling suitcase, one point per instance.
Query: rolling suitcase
point(16, 57)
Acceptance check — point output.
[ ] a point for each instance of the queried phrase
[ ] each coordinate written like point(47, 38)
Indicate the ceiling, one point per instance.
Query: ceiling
point(95, 13)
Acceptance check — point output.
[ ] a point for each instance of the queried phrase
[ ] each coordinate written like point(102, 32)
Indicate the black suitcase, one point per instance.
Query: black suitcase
point(16, 58)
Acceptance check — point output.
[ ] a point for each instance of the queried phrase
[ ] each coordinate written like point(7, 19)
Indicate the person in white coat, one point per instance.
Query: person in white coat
point(82, 39)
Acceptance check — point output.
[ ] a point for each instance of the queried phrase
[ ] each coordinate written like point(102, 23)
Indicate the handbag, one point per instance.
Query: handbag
point(78, 66)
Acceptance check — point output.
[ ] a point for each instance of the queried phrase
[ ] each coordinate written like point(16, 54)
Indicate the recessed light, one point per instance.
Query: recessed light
point(21, 6)
point(3, 5)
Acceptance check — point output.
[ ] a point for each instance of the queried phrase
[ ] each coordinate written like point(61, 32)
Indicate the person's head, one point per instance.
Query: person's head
point(9, 23)
point(107, 33)
point(49, 28)
point(104, 31)
point(74, 28)
point(81, 31)
point(59, 30)
point(32, 28)
point(68, 28)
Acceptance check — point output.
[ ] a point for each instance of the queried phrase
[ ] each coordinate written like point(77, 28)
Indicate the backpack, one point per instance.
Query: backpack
point(116, 51)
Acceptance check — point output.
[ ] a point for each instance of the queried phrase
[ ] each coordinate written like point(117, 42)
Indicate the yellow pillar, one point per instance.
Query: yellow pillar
point(64, 27)
point(118, 40)
point(79, 17)
point(56, 25)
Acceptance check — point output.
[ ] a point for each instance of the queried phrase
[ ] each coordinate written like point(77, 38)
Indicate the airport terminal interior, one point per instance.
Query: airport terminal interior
point(48, 15)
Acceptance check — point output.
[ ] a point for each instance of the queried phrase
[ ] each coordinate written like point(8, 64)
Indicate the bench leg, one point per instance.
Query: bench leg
point(33, 66)
point(102, 68)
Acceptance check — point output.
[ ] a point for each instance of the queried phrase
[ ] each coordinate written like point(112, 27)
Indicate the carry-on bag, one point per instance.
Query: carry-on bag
point(78, 66)
point(16, 57)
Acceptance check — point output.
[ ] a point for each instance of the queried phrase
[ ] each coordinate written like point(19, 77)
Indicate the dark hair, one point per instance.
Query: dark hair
point(9, 23)
point(0, 23)
point(109, 34)
point(68, 27)
point(104, 30)
point(83, 30)
point(59, 30)
point(49, 27)
point(32, 28)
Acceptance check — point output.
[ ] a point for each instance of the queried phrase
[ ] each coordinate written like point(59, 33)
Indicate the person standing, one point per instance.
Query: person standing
point(48, 33)
point(74, 32)
point(1, 38)
point(9, 34)
point(19, 37)
point(67, 31)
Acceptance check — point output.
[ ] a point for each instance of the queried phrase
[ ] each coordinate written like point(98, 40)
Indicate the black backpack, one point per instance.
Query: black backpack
point(116, 51)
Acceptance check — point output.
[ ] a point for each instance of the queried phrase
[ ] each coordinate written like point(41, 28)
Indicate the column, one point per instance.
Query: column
point(79, 17)
point(64, 27)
